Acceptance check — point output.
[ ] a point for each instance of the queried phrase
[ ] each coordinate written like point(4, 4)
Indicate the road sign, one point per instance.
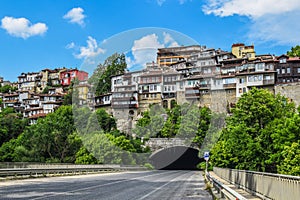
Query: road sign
point(206, 155)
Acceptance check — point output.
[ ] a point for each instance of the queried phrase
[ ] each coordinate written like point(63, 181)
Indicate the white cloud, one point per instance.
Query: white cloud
point(22, 27)
point(272, 20)
point(169, 41)
point(75, 16)
point(160, 2)
point(253, 9)
point(282, 29)
point(144, 50)
point(70, 45)
point(91, 50)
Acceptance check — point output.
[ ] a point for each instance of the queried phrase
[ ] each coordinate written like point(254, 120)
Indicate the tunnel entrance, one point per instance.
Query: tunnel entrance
point(176, 158)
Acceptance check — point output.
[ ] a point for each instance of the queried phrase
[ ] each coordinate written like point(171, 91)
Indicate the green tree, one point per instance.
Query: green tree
point(103, 149)
point(11, 125)
point(172, 123)
point(151, 124)
point(83, 156)
point(106, 121)
point(291, 159)
point(294, 52)
point(7, 89)
point(52, 139)
point(246, 142)
point(101, 78)
point(101, 120)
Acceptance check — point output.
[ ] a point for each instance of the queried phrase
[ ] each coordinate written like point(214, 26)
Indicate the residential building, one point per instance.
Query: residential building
point(125, 99)
point(11, 100)
point(259, 73)
point(150, 88)
point(68, 75)
point(171, 55)
point(29, 81)
point(288, 69)
point(169, 88)
point(242, 51)
point(82, 90)
point(50, 78)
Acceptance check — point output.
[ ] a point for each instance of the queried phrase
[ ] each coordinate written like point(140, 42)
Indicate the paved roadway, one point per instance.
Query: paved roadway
point(158, 185)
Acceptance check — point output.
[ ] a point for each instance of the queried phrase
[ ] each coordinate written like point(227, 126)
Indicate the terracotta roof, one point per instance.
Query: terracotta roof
point(238, 44)
point(294, 59)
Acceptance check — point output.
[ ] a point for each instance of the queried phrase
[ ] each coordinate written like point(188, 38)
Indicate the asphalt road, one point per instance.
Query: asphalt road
point(156, 185)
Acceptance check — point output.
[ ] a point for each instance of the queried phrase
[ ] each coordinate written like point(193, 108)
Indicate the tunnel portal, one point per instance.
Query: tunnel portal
point(176, 158)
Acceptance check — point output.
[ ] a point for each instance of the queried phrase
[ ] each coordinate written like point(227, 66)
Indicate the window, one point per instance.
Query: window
point(267, 77)
point(242, 80)
point(206, 70)
point(282, 60)
point(283, 71)
point(298, 70)
point(278, 71)
point(260, 66)
point(181, 85)
point(288, 70)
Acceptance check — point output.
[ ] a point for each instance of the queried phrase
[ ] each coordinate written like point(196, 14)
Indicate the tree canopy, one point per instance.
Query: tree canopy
point(101, 78)
point(7, 88)
point(294, 52)
point(259, 133)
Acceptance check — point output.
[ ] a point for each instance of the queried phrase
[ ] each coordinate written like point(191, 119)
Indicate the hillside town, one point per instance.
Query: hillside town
point(206, 76)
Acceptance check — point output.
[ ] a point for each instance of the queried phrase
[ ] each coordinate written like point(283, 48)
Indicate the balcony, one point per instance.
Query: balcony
point(229, 86)
point(269, 82)
point(169, 95)
point(203, 86)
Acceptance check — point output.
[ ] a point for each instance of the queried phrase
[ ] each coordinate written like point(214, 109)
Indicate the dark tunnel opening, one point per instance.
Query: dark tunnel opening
point(176, 158)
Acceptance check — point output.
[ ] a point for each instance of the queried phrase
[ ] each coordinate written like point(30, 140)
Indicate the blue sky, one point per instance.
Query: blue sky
point(37, 34)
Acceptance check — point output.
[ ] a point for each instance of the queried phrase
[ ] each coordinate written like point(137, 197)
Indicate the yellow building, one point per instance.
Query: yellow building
point(242, 51)
point(83, 91)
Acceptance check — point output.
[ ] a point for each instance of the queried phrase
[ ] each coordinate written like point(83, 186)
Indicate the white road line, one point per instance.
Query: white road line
point(96, 186)
point(153, 191)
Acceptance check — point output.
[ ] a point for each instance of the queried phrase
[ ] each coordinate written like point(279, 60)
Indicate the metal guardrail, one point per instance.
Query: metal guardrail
point(264, 185)
point(47, 169)
point(223, 190)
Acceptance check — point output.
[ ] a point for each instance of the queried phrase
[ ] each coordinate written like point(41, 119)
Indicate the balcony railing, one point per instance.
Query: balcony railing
point(269, 82)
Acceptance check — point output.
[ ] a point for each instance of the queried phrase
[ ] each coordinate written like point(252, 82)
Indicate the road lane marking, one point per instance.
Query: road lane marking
point(96, 186)
point(153, 191)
